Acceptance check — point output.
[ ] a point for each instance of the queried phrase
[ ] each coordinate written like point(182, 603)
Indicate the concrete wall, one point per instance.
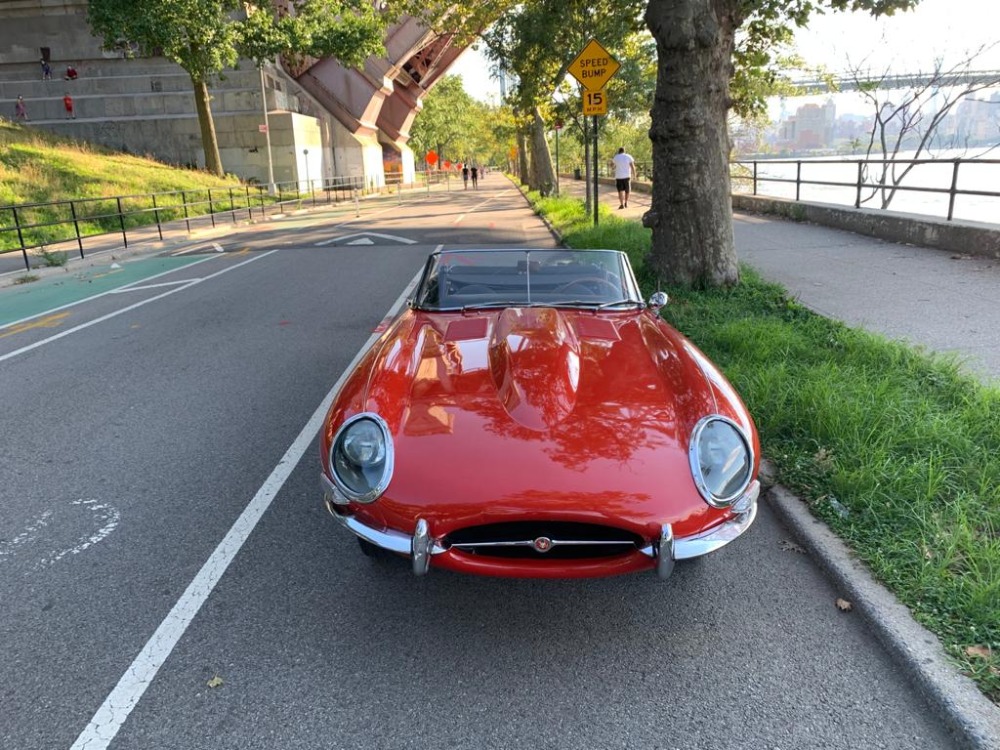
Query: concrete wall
point(968, 237)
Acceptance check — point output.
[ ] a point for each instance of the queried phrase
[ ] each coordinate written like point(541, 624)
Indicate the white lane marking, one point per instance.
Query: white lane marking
point(116, 708)
point(215, 246)
point(362, 241)
point(476, 208)
point(354, 220)
point(29, 534)
point(102, 294)
point(109, 515)
point(124, 289)
point(392, 237)
point(95, 321)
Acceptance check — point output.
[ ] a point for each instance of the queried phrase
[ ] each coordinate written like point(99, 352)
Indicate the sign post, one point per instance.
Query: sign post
point(593, 68)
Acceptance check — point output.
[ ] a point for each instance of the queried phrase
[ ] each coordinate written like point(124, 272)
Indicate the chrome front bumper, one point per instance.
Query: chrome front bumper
point(421, 547)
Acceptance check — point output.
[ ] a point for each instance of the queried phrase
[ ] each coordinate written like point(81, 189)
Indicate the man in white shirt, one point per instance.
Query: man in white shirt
point(624, 170)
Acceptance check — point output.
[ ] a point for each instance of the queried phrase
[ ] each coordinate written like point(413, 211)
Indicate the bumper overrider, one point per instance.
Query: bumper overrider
point(421, 547)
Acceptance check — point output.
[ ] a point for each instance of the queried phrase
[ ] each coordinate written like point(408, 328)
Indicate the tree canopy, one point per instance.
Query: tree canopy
point(205, 37)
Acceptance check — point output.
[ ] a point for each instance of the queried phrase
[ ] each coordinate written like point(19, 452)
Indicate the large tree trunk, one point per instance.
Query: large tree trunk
point(209, 141)
point(691, 208)
point(522, 157)
point(542, 174)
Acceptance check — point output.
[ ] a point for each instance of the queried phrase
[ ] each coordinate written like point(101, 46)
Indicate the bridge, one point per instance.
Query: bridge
point(324, 120)
point(840, 82)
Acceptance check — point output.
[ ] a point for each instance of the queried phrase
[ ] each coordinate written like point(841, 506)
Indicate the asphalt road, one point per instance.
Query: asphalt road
point(133, 442)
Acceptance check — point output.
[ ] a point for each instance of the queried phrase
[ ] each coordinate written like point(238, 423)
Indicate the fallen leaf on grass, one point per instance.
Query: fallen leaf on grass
point(844, 606)
point(983, 652)
point(788, 546)
point(216, 682)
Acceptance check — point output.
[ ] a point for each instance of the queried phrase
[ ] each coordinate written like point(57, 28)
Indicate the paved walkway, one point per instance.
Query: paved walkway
point(946, 302)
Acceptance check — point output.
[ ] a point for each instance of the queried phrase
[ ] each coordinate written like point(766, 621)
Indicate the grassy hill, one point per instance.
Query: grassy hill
point(38, 167)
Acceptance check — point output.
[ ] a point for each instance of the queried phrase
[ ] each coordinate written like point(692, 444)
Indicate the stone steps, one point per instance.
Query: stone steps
point(122, 105)
point(112, 85)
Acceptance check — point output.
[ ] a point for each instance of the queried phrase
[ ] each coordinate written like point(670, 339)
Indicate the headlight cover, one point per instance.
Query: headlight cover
point(721, 460)
point(361, 457)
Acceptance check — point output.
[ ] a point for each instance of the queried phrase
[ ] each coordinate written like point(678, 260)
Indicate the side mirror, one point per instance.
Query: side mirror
point(657, 300)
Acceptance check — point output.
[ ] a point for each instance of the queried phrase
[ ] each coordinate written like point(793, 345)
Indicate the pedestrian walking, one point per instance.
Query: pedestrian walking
point(624, 172)
point(20, 110)
point(475, 178)
point(465, 175)
point(46, 70)
point(68, 104)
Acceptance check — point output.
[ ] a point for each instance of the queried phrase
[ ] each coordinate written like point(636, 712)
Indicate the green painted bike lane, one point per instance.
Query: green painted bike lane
point(54, 292)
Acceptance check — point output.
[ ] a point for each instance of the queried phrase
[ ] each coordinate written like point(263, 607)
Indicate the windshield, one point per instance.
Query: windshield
point(470, 279)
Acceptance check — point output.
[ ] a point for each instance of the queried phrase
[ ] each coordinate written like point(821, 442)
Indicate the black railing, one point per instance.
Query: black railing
point(876, 180)
point(29, 226)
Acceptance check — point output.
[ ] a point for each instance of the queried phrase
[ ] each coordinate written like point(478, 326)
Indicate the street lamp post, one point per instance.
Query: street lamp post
point(305, 154)
point(267, 135)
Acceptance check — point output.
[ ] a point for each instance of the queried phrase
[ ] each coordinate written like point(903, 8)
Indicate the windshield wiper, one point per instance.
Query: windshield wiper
point(570, 303)
point(493, 305)
point(632, 302)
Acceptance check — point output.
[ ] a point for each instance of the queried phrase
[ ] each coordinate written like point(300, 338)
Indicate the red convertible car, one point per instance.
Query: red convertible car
point(528, 415)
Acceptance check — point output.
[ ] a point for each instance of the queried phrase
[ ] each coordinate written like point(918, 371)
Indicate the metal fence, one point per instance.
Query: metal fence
point(872, 179)
point(859, 182)
point(30, 226)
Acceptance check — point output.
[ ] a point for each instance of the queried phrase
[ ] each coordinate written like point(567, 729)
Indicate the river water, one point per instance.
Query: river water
point(974, 175)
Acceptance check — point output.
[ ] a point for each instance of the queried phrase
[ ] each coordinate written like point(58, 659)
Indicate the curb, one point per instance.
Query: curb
point(971, 717)
point(555, 232)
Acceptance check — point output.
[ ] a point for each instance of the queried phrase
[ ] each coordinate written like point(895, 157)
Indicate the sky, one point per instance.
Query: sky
point(906, 42)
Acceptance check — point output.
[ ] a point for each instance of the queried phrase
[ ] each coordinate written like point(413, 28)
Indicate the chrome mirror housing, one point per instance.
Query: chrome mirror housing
point(657, 300)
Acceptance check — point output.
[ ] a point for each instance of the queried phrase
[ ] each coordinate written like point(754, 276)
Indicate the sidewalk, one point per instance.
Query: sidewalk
point(946, 302)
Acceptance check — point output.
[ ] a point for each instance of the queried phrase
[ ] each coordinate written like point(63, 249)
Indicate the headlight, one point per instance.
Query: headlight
point(361, 457)
point(721, 460)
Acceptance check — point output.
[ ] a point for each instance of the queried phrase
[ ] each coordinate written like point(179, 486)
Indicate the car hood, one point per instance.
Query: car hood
point(540, 408)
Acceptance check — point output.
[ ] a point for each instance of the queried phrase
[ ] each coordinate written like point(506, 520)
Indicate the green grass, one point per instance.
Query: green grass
point(896, 449)
point(37, 167)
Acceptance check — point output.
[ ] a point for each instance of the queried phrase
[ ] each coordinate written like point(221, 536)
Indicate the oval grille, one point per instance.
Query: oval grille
point(549, 540)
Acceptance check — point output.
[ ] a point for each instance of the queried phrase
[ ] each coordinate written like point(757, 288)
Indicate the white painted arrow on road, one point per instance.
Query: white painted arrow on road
point(391, 237)
point(362, 241)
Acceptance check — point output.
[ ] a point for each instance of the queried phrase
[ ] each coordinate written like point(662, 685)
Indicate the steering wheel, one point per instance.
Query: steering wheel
point(593, 285)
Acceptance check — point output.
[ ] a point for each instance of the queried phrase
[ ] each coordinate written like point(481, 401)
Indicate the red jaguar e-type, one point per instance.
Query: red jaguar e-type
point(529, 416)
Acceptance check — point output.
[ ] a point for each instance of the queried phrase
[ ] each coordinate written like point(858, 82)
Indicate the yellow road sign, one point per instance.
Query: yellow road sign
point(595, 102)
point(593, 67)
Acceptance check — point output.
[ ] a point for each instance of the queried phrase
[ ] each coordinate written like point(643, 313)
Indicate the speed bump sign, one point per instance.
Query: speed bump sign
point(593, 67)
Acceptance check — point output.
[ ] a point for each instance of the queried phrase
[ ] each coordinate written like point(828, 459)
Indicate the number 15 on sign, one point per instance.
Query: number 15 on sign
point(595, 103)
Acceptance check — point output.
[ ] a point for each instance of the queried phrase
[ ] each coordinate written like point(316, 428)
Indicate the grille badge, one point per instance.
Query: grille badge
point(542, 544)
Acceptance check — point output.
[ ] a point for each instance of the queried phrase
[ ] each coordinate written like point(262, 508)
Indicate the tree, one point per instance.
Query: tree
point(535, 42)
point(696, 41)
point(444, 121)
point(913, 119)
point(206, 36)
